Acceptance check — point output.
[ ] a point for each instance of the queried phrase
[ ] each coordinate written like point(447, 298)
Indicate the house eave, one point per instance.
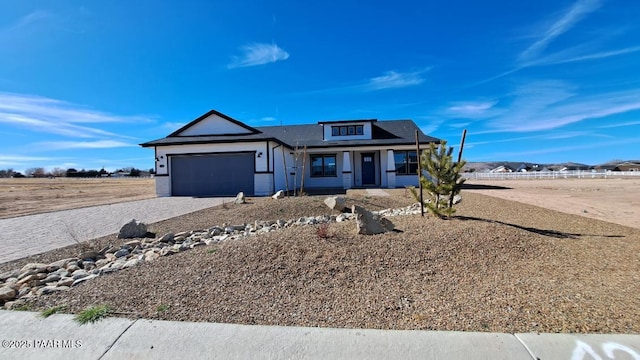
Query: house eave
point(347, 121)
point(379, 145)
point(199, 142)
point(323, 146)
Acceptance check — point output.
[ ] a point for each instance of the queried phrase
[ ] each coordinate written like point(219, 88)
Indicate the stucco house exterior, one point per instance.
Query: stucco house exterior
point(216, 155)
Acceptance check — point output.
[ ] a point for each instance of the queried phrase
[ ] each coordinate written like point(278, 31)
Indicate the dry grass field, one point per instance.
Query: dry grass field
point(615, 200)
point(32, 196)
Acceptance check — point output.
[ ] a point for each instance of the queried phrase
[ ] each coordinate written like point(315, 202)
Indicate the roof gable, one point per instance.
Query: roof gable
point(214, 123)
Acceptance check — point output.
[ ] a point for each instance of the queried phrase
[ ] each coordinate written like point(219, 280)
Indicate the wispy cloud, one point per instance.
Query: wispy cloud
point(58, 117)
point(172, 126)
point(573, 15)
point(560, 135)
point(25, 21)
point(471, 110)
point(17, 158)
point(58, 109)
point(617, 125)
point(429, 124)
point(60, 128)
point(393, 79)
point(258, 54)
point(575, 54)
point(66, 145)
point(569, 135)
point(563, 149)
point(389, 80)
point(534, 55)
point(546, 105)
point(21, 161)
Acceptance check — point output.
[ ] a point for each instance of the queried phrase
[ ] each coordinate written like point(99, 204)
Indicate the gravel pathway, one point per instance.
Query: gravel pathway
point(34, 234)
point(377, 192)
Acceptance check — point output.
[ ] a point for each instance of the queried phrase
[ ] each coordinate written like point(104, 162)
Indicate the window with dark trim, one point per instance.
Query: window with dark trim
point(406, 162)
point(346, 130)
point(323, 165)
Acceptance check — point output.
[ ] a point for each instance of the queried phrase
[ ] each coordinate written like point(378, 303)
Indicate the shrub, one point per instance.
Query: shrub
point(443, 180)
point(53, 310)
point(322, 232)
point(92, 314)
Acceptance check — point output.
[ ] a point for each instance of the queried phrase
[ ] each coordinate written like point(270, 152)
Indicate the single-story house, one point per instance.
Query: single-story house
point(215, 155)
point(120, 174)
point(501, 169)
point(627, 166)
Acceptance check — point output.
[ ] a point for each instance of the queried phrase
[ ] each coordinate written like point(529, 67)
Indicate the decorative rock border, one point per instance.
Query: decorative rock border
point(36, 279)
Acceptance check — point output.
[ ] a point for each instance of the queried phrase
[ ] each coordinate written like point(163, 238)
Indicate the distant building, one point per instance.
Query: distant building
point(120, 174)
point(501, 169)
point(627, 166)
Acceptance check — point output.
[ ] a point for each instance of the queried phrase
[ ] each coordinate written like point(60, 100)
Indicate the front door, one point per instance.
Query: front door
point(368, 169)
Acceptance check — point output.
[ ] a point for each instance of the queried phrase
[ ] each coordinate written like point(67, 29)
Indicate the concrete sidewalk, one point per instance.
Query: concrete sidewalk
point(26, 335)
point(34, 234)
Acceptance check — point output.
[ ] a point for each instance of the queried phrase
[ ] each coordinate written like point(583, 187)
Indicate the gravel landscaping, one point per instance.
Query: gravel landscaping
point(497, 266)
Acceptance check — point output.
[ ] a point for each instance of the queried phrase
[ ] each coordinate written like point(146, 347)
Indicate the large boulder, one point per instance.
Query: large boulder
point(335, 203)
point(368, 223)
point(167, 238)
point(37, 267)
point(278, 195)
point(133, 229)
point(7, 293)
point(9, 274)
point(90, 255)
point(239, 198)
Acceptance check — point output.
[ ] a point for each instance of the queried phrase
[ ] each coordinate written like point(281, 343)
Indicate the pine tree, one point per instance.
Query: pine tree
point(443, 180)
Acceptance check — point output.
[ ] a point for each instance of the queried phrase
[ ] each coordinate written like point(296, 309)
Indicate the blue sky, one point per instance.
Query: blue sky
point(82, 82)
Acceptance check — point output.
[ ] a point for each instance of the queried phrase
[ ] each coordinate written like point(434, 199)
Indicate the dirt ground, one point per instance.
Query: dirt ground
point(34, 196)
point(498, 266)
point(612, 200)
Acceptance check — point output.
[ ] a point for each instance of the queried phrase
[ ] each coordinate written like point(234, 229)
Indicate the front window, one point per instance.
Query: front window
point(400, 158)
point(406, 162)
point(323, 165)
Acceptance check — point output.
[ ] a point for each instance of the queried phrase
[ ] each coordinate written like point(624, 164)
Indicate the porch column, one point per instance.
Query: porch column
point(346, 171)
point(391, 170)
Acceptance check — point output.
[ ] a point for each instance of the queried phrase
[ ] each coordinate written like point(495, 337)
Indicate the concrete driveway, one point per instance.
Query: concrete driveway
point(35, 234)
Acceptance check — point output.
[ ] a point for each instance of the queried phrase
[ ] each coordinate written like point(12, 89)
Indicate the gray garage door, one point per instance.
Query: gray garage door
point(212, 175)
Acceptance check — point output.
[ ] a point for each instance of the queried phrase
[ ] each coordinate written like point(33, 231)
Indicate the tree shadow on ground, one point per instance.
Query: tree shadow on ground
point(545, 232)
point(466, 186)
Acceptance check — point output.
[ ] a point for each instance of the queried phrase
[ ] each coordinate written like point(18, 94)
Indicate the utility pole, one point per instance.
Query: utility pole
point(419, 174)
point(464, 135)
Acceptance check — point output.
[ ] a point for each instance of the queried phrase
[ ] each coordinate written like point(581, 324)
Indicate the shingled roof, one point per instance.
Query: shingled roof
point(389, 132)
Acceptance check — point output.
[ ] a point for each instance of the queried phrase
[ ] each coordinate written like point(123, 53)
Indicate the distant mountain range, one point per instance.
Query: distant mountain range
point(623, 165)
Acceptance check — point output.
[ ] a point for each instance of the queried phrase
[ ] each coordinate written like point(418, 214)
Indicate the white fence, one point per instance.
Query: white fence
point(533, 175)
